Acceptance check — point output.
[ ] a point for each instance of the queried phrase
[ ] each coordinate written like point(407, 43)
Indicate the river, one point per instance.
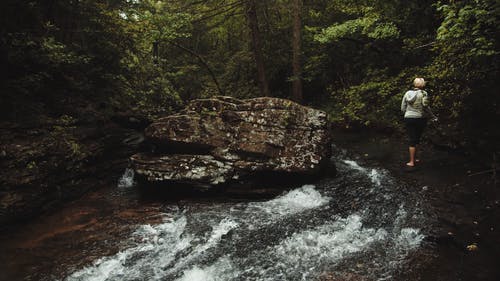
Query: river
point(362, 222)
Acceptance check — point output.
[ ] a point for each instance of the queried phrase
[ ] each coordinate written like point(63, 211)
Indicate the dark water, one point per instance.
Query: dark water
point(363, 222)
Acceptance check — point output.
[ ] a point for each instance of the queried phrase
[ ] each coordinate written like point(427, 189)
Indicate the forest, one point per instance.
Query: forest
point(86, 59)
point(248, 140)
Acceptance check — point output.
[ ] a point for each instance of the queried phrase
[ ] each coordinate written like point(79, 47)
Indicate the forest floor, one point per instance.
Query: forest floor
point(465, 242)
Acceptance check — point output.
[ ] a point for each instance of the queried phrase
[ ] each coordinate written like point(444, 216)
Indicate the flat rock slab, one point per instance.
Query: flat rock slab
point(223, 139)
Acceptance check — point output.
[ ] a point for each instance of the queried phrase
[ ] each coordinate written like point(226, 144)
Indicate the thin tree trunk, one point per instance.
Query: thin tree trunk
point(253, 24)
point(202, 61)
point(296, 49)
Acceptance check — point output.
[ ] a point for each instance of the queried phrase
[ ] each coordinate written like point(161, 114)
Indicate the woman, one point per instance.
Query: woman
point(415, 105)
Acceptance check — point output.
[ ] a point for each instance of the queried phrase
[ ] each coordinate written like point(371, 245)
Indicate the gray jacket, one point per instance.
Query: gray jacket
point(415, 104)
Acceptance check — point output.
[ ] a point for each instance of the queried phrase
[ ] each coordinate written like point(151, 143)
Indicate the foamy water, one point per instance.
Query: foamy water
point(295, 236)
point(375, 175)
point(295, 201)
point(127, 179)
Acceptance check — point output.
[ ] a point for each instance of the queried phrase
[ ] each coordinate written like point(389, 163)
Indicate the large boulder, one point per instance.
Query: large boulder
point(222, 140)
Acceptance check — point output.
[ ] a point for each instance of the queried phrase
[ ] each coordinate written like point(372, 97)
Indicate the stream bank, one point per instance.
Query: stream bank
point(466, 236)
point(437, 199)
point(359, 222)
point(47, 163)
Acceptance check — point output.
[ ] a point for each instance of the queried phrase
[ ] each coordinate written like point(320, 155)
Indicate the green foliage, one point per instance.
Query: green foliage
point(466, 67)
point(160, 22)
point(89, 59)
point(371, 103)
point(63, 139)
point(66, 56)
point(370, 25)
point(31, 165)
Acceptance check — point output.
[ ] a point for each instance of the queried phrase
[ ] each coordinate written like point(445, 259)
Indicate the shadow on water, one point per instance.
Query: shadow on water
point(262, 186)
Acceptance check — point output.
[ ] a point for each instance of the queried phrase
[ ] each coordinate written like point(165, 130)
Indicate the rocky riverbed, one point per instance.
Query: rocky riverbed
point(465, 202)
point(373, 221)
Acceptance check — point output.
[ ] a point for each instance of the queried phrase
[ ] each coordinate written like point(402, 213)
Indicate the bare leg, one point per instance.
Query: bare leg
point(413, 151)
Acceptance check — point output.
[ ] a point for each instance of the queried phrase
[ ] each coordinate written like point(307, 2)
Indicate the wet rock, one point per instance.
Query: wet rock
point(472, 247)
point(222, 139)
point(44, 167)
point(203, 169)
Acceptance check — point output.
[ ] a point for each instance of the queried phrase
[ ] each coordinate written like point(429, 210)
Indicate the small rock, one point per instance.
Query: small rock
point(472, 247)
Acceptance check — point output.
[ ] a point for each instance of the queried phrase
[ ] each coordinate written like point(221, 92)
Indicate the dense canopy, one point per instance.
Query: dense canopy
point(85, 59)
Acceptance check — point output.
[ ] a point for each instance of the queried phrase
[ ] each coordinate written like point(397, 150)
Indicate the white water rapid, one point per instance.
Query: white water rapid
point(360, 222)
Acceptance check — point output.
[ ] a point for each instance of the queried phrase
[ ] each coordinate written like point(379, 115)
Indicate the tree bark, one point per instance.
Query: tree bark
point(296, 49)
point(253, 25)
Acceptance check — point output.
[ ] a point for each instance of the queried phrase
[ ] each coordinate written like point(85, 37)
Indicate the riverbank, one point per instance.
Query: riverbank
point(362, 222)
point(49, 162)
point(465, 210)
point(466, 238)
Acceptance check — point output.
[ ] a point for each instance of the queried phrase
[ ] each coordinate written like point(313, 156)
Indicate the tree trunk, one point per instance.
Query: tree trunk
point(253, 25)
point(296, 49)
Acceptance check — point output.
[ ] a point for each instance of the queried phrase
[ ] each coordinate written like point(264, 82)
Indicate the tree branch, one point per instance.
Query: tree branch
point(203, 61)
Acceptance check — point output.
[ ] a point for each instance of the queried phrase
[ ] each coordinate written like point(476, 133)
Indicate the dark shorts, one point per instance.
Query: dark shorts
point(415, 128)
